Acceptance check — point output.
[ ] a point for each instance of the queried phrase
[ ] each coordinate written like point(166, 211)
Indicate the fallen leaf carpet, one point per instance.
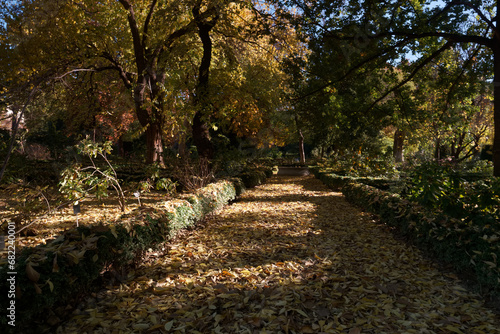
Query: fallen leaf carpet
point(289, 256)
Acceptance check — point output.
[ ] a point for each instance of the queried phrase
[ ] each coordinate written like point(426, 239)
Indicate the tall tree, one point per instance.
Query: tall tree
point(163, 53)
point(205, 21)
point(370, 30)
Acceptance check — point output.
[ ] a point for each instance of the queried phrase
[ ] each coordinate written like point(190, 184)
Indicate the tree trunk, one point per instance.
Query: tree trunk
point(201, 137)
point(16, 120)
point(437, 151)
point(398, 147)
point(302, 153)
point(201, 134)
point(152, 121)
point(15, 126)
point(154, 144)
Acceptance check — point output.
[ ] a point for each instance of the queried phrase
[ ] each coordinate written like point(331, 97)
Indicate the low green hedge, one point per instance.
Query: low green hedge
point(255, 176)
point(48, 276)
point(468, 247)
point(336, 181)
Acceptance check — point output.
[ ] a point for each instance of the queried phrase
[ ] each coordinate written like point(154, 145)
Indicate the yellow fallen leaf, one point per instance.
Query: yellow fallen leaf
point(51, 285)
point(141, 326)
point(454, 329)
point(55, 266)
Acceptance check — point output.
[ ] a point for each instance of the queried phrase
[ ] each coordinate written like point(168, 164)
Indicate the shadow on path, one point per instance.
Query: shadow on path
point(289, 256)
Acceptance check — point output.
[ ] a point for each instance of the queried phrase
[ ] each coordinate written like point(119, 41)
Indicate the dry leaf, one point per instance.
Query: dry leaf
point(55, 266)
point(289, 256)
point(32, 274)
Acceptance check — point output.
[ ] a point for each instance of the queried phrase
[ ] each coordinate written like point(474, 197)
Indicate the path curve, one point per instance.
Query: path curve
point(289, 256)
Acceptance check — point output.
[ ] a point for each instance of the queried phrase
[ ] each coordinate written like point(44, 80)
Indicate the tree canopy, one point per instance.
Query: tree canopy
point(184, 71)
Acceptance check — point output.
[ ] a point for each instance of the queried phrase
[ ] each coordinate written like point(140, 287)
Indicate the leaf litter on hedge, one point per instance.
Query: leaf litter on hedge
point(289, 256)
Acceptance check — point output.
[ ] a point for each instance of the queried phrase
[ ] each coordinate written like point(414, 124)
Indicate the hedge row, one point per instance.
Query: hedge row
point(335, 181)
point(51, 276)
point(469, 248)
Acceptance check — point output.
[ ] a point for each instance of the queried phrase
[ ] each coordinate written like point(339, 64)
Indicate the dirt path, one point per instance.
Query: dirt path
point(288, 257)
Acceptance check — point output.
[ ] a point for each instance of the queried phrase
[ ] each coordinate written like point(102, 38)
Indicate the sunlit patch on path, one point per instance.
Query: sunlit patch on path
point(288, 257)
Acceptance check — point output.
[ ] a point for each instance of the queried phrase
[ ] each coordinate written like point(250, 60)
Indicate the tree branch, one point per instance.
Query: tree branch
point(146, 23)
point(354, 68)
point(453, 38)
point(136, 37)
point(413, 73)
point(470, 5)
point(124, 75)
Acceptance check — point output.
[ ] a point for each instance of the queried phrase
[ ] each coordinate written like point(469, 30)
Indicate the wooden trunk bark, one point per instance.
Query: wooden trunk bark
point(154, 144)
point(398, 147)
point(302, 153)
point(152, 121)
point(201, 137)
point(201, 133)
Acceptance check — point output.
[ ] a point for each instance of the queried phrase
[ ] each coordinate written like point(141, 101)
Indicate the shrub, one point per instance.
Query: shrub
point(78, 181)
point(50, 275)
point(440, 186)
point(194, 174)
point(468, 247)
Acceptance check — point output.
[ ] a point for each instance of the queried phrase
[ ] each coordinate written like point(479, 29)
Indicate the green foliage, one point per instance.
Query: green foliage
point(361, 163)
point(255, 174)
point(430, 182)
point(445, 187)
point(166, 184)
point(78, 181)
point(51, 275)
point(335, 181)
point(470, 248)
point(156, 181)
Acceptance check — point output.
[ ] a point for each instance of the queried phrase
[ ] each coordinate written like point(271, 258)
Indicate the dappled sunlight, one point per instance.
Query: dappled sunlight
point(289, 256)
point(41, 227)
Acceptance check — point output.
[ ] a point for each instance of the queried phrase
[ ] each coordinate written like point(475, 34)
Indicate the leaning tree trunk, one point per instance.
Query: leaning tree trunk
point(302, 153)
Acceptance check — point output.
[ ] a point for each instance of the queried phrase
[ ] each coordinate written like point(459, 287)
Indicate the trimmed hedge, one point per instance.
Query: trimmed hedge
point(48, 276)
point(255, 176)
point(469, 248)
point(336, 181)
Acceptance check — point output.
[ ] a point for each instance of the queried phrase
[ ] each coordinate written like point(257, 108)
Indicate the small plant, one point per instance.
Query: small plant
point(194, 174)
point(155, 181)
point(441, 186)
point(78, 182)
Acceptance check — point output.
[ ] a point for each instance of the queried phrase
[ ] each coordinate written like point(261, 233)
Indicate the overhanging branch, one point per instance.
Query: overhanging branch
point(413, 73)
point(471, 6)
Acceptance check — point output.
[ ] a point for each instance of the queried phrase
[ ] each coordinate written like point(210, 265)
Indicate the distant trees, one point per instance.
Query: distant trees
point(354, 38)
point(168, 58)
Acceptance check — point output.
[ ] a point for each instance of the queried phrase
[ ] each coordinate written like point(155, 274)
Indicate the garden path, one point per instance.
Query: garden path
point(289, 256)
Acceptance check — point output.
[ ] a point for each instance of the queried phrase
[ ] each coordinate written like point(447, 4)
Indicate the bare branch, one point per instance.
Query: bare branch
point(75, 71)
point(453, 38)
